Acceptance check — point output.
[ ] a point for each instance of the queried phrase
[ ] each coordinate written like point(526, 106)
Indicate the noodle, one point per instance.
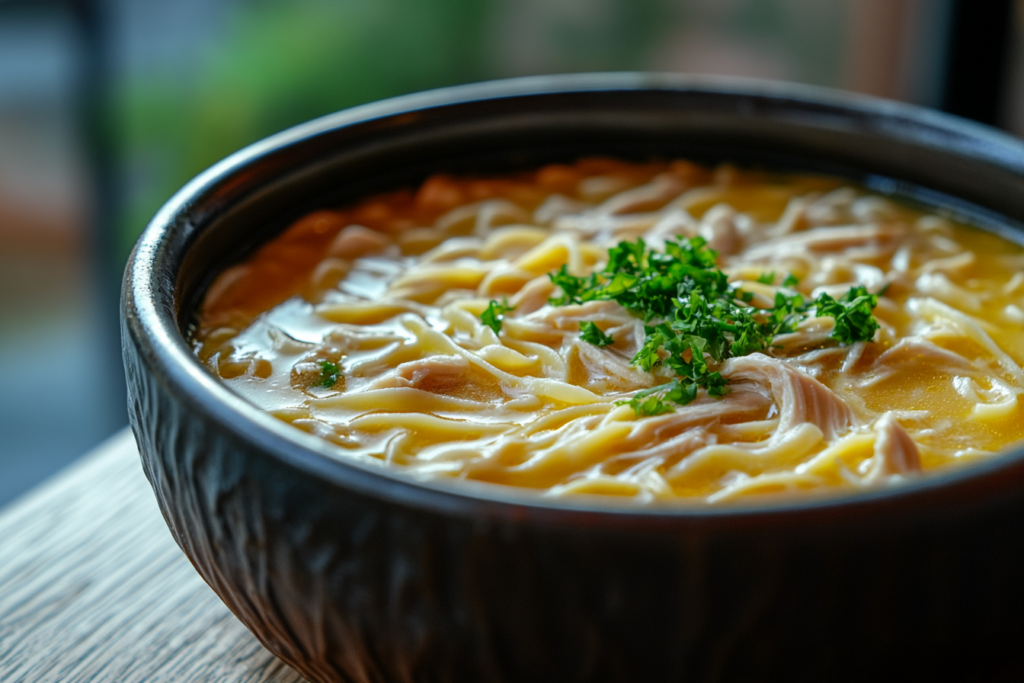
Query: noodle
point(369, 327)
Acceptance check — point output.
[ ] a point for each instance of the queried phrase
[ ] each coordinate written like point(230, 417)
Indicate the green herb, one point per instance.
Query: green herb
point(644, 281)
point(766, 278)
point(654, 401)
point(787, 312)
point(329, 374)
point(852, 313)
point(694, 316)
point(494, 315)
point(790, 281)
point(573, 288)
point(592, 334)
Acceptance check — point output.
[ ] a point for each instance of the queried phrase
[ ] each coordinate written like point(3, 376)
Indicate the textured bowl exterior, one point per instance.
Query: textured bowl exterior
point(350, 573)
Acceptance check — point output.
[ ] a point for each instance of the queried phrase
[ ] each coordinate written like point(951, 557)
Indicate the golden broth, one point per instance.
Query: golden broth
point(389, 294)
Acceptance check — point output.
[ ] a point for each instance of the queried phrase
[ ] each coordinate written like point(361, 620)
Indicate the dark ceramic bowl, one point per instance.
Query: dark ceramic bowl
point(351, 573)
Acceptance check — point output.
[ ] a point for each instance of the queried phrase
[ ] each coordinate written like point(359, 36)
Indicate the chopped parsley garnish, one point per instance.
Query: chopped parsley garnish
point(786, 314)
point(791, 281)
point(329, 374)
point(592, 334)
point(494, 315)
point(852, 313)
point(767, 278)
point(644, 281)
point(695, 319)
point(653, 401)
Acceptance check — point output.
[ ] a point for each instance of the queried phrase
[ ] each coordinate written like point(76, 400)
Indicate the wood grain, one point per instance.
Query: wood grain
point(93, 588)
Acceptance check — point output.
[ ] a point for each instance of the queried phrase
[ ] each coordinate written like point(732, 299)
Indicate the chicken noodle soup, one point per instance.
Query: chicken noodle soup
point(654, 331)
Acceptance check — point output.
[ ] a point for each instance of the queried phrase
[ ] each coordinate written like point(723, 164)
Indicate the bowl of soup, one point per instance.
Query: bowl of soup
point(603, 377)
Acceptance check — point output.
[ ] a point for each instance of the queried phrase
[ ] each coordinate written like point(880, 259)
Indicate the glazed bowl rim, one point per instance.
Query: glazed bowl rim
point(149, 315)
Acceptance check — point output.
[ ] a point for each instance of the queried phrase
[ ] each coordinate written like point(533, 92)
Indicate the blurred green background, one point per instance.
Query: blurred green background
point(276, 64)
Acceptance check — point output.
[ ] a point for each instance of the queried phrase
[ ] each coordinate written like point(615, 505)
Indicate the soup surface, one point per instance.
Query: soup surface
point(571, 330)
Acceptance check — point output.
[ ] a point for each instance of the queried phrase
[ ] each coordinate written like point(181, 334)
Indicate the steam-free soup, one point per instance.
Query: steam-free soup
point(655, 331)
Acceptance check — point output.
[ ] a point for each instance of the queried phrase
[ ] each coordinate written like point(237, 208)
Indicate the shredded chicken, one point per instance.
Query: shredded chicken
point(672, 448)
point(826, 239)
point(354, 241)
point(568, 318)
point(895, 451)
point(718, 227)
point(663, 188)
point(800, 398)
point(610, 369)
point(739, 404)
point(918, 350)
point(533, 296)
point(429, 370)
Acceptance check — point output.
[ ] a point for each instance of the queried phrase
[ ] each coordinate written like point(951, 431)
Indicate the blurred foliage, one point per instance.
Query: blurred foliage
point(282, 62)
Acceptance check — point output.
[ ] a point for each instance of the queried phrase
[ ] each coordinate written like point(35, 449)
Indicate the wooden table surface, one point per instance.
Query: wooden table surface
point(93, 588)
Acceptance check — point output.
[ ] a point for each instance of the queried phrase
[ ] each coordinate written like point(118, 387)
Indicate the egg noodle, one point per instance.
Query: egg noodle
point(422, 330)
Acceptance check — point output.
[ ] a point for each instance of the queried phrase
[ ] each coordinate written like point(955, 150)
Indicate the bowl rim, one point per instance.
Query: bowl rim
point(149, 317)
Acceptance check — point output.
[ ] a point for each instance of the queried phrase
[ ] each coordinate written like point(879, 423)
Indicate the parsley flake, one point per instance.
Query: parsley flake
point(494, 315)
point(329, 374)
point(655, 401)
point(791, 281)
point(766, 278)
point(592, 334)
point(852, 313)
